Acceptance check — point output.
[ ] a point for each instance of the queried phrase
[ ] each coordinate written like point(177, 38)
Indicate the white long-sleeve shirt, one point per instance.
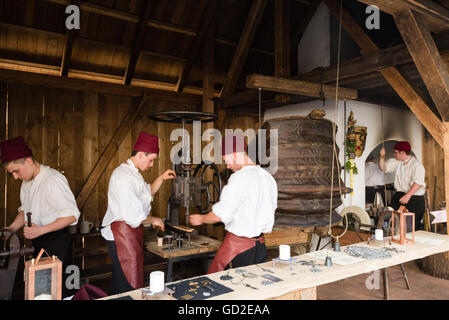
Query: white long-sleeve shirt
point(407, 174)
point(248, 202)
point(129, 198)
point(48, 197)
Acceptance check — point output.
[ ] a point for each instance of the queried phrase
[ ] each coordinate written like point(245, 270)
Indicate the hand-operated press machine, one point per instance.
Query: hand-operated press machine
point(190, 188)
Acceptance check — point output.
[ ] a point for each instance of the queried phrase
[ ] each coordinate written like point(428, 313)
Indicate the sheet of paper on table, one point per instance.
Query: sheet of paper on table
point(339, 258)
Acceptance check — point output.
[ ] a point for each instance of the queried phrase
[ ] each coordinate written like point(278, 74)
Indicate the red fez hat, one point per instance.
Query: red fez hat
point(147, 143)
point(14, 149)
point(233, 143)
point(403, 146)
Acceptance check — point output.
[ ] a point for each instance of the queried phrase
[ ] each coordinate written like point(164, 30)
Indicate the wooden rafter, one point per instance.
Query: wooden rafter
point(430, 65)
point(137, 44)
point(110, 150)
point(241, 53)
point(196, 45)
point(373, 62)
point(435, 15)
point(154, 23)
point(67, 53)
point(55, 81)
point(298, 87)
point(391, 74)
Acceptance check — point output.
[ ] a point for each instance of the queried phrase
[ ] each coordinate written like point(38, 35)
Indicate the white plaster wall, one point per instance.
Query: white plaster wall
point(398, 124)
point(314, 47)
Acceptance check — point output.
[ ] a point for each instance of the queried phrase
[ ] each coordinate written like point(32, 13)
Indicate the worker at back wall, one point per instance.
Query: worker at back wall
point(129, 204)
point(246, 207)
point(45, 193)
point(409, 181)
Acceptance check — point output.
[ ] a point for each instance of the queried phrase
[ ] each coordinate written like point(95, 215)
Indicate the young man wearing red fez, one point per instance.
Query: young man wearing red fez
point(409, 180)
point(129, 204)
point(45, 193)
point(246, 207)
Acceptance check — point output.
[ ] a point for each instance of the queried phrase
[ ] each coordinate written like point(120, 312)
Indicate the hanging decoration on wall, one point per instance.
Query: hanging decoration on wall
point(355, 143)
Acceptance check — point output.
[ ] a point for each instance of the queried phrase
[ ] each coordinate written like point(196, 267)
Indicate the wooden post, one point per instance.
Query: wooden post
point(446, 169)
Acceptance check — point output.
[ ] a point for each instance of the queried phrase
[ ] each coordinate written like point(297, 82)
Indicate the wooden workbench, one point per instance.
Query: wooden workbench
point(200, 246)
point(300, 283)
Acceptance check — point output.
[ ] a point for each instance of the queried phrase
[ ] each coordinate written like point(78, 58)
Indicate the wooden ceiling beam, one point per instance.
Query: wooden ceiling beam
point(44, 75)
point(298, 87)
point(154, 23)
point(196, 45)
point(427, 58)
point(137, 44)
point(435, 15)
point(391, 74)
point(67, 52)
point(241, 52)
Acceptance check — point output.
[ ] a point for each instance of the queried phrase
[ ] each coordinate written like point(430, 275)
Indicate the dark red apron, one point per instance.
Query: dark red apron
point(232, 246)
point(129, 243)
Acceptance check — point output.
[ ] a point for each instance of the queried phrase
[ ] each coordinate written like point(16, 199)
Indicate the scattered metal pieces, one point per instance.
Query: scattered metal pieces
point(240, 271)
point(392, 249)
point(314, 270)
point(250, 286)
point(249, 275)
point(187, 297)
point(368, 253)
point(267, 282)
point(206, 294)
point(264, 269)
point(226, 277)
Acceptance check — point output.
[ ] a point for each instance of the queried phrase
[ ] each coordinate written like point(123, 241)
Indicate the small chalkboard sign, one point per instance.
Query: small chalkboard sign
point(43, 277)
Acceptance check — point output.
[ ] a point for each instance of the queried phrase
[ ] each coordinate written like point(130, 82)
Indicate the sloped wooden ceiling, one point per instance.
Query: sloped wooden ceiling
point(33, 38)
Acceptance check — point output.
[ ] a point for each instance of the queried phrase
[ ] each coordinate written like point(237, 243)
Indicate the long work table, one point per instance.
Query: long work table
point(299, 277)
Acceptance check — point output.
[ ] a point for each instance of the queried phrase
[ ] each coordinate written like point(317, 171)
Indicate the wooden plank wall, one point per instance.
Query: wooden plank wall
point(68, 130)
point(433, 161)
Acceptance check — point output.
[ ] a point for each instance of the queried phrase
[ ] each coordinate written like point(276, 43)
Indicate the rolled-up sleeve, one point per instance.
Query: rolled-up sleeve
point(231, 197)
point(418, 175)
point(61, 198)
point(391, 165)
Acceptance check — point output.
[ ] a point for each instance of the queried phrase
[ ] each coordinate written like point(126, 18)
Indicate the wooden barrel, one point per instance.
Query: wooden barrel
point(304, 172)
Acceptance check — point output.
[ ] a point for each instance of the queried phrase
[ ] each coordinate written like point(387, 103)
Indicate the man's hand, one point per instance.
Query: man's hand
point(157, 223)
point(196, 219)
point(405, 199)
point(382, 152)
point(33, 232)
point(169, 174)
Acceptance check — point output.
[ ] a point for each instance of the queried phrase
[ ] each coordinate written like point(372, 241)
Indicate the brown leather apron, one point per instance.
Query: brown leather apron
point(232, 246)
point(129, 243)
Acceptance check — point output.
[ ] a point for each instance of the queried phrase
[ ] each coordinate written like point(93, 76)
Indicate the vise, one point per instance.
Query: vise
point(9, 261)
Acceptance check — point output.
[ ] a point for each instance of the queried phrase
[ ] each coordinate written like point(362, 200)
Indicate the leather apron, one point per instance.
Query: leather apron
point(231, 247)
point(129, 243)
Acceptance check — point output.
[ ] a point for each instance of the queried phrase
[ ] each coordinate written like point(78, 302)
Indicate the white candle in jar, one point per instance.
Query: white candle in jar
point(284, 252)
point(157, 281)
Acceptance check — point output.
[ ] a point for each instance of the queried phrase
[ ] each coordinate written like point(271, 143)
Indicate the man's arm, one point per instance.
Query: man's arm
point(18, 222)
point(199, 219)
point(382, 160)
point(35, 231)
point(406, 197)
point(155, 186)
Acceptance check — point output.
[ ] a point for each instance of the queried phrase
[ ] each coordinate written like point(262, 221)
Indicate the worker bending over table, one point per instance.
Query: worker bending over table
point(246, 207)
